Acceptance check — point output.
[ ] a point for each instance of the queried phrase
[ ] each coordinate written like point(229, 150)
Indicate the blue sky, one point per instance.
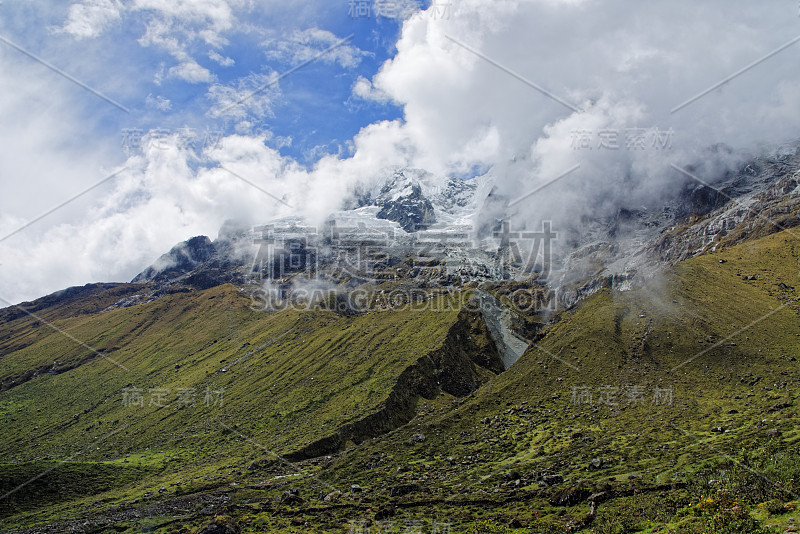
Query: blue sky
point(313, 107)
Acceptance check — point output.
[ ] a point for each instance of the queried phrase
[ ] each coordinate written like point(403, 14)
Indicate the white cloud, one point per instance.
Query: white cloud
point(250, 96)
point(363, 88)
point(624, 67)
point(206, 19)
point(158, 102)
point(219, 58)
point(90, 18)
point(155, 202)
point(305, 45)
point(43, 167)
point(191, 72)
point(175, 26)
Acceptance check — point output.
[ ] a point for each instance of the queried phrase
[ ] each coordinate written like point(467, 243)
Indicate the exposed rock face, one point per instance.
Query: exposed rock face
point(759, 197)
point(456, 194)
point(763, 197)
point(498, 321)
point(401, 200)
point(415, 195)
point(180, 260)
point(200, 263)
point(452, 368)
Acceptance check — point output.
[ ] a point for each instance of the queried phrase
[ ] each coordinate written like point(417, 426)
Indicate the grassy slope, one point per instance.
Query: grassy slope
point(683, 331)
point(691, 330)
point(288, 378)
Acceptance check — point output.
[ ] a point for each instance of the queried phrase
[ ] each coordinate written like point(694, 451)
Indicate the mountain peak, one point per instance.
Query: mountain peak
point(401, 200)
point(180, 260)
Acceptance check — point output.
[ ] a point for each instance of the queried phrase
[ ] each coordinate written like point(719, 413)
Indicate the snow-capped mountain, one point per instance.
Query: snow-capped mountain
point(401, 200)
point(413, 218)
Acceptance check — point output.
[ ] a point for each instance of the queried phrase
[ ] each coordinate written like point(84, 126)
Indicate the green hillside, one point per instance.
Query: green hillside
point(666, 408)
